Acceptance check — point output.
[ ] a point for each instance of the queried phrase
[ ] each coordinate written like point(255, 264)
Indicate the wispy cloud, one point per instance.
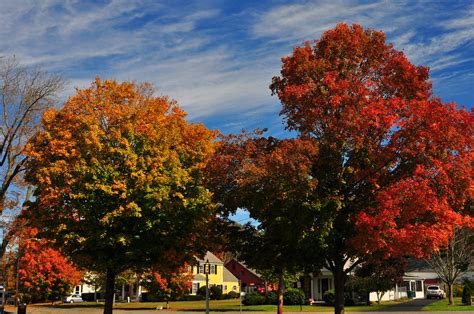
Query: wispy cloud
point(217, 58)
point(430, 33)
point(137, 40)
point(308, 20)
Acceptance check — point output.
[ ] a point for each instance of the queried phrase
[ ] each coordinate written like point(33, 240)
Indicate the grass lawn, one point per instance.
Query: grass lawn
point(227, 305)
point(442, 305)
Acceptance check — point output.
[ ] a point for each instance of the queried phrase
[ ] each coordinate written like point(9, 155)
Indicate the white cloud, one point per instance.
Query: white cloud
point(423, 30)
point(209, 70)
point(166, 51)
point(310, 19)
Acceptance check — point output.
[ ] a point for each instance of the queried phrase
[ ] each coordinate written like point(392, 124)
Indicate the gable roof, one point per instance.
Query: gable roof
point(251, 270)
point(416, 265)
point(199, 277)
point(228, 276)
point(211, 258)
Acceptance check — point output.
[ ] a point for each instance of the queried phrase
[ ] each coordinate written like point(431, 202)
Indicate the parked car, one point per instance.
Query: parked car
point(435, 292)
point(73, 298)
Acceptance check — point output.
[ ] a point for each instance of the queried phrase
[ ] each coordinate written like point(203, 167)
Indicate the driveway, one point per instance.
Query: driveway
point(413, 306)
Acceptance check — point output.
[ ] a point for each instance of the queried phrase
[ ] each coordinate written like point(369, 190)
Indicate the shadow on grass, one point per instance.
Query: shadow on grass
point(222, 310)
point(76, 305)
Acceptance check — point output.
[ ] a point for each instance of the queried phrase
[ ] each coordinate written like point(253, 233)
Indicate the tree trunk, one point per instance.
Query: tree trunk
point(281, 289)
point(450, 294)
point(380, 296)
point(109, 291)
point(339, 279)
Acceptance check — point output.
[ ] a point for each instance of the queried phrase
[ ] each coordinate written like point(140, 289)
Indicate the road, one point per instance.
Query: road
point(405, 308)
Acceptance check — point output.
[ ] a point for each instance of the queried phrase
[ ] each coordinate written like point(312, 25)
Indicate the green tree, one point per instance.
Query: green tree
point(95, 280)
point(118, 177)
point(378, 275)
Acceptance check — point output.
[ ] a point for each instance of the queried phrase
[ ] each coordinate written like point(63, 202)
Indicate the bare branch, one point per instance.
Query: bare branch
point(25, 94)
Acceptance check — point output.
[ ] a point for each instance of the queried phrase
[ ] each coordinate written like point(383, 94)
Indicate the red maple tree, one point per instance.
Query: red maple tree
point(169, 285)
point(44, 273)
point(394, 168)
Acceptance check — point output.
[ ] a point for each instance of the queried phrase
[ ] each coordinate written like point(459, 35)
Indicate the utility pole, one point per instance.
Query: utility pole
point(240, 295)
point(240, 291)
point(207, 270)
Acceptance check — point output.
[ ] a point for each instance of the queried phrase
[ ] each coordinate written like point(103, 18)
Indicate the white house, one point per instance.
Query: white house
point(416, 278)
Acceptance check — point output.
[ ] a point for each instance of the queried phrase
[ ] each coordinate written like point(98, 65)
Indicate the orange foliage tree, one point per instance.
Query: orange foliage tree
point(118, 177)
point(169, 285)
point(44, 273)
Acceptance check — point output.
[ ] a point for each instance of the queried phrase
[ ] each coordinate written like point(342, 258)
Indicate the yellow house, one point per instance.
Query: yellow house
point(219, 275)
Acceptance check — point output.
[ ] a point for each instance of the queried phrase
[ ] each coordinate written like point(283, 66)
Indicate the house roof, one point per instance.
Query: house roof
point(251, 270)
point(415, 265)
point(199, 277)
point(228, 276)
point(211, 258)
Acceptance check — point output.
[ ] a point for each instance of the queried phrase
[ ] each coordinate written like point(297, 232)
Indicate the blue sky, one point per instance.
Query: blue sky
point(217, 58)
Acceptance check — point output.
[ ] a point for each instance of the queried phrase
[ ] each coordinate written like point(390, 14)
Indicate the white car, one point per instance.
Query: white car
point(435, 292)
point(73, 298)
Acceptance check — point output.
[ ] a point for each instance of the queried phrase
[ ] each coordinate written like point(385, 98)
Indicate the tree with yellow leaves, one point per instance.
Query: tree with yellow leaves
point(118, 176)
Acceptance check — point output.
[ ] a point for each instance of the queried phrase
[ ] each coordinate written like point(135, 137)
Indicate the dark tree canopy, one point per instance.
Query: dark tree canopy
point(271, 179)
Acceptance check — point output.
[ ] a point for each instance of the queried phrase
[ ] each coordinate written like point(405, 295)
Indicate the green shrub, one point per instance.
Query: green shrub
point(272, 298)
point(191, 297)
point(457, 291)
point(215, 293)
point(231, 295)
point(466, 295)
point(348, 300)
point(293, 296)
point(329, 297)
point(253, 298)
point(202, 291)
point(149, 297)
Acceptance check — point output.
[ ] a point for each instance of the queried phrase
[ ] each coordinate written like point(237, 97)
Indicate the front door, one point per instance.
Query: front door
point(324, 286)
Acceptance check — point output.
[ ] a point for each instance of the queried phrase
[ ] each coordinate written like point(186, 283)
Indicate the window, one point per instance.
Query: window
point(234, 288)
point(195, 288)
point(213, 269)
point(201, 269)
point(419, 286)
point(406, 284)
point(225, 287)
